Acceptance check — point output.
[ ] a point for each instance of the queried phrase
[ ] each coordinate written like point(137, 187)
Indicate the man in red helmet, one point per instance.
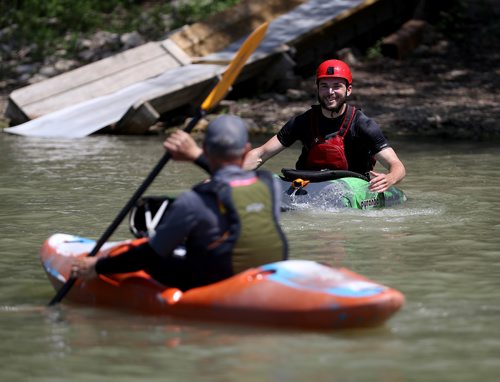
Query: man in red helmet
point(335, 135)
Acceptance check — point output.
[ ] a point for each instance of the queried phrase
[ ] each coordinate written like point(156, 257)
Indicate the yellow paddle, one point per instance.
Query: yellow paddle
point(217, 93)
point(234, 68)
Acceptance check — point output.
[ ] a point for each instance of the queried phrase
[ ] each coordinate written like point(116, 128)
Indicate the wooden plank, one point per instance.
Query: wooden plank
point(85, 118)
point(288, 29)
point(103, 86)
point(401, 43)
point(87, 73)
point(218, 31)
point(94, 80)
point(287, 33)
point(176, 52)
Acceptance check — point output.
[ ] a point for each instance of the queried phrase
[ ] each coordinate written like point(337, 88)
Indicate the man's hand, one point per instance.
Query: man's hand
point(379, 182)
point(182, 146)
point(84, 268)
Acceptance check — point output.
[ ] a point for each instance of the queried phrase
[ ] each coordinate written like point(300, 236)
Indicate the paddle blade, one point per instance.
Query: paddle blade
point(234, 68)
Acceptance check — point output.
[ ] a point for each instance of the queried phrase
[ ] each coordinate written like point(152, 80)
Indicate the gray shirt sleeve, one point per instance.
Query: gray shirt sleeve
point(176, 224)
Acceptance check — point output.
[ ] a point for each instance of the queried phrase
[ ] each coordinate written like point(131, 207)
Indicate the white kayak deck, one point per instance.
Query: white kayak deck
point(158, 77)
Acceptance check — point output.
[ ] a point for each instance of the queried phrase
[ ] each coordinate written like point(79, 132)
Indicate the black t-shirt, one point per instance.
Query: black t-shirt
point(363, 140)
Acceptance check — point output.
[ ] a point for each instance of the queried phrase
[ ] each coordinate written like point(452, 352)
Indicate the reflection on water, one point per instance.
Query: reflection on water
point(441, 249)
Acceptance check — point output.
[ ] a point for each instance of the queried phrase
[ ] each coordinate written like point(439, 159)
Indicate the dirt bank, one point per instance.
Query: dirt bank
point(448, 87)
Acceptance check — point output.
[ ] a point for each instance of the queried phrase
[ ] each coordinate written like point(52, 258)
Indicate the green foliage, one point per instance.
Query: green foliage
point(374, 51)
point(192, 11)
point(48, 25)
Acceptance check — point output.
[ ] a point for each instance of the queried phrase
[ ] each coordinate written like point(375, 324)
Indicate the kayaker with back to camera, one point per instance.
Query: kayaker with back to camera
point(217, 221)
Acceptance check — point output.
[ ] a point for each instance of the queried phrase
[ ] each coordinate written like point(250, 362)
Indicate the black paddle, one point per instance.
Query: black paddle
point(215, 96)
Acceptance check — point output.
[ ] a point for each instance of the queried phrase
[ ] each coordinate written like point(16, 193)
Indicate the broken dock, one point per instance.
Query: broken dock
point(128, 92)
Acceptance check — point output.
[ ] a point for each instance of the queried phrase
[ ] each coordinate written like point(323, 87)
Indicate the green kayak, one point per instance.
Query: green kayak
point(333, 189)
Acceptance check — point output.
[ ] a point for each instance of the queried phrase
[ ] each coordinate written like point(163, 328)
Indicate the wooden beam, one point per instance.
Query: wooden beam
point(401, 43)
point(137, 120)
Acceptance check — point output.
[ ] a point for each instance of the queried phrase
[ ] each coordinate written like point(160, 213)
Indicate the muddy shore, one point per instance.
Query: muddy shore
point(447, 88)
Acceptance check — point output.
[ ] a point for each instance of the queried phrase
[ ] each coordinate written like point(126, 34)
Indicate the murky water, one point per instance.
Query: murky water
point(441, 249)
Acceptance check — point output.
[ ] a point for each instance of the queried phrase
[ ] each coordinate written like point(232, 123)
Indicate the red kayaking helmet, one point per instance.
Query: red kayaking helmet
point(334, 68)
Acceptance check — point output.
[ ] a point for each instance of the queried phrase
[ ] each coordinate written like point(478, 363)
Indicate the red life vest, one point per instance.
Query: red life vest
point(328, 153)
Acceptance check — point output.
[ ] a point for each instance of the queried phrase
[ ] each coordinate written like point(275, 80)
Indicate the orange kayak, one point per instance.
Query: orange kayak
point(293, 293)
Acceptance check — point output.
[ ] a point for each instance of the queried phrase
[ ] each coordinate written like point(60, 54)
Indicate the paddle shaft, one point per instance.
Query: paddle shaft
point(125, 210)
